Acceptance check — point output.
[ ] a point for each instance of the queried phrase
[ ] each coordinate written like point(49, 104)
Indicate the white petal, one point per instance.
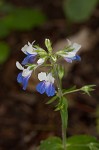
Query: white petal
point(70, 54)
point(24, 49)
point(31, 50)
point(19, 66)
point(33, 43)
point(50, 78)
point(28, 49)
point(40, 61)
point(69, 42)
point(29, 43)
point(76, 47)
point(42, 76)
point(26, 72)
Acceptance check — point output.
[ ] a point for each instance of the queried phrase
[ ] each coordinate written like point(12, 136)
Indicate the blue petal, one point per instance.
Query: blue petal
point(19, 78)
point(25, 82)
point(50, 90)
point(28, 59)
point(41, 87)
point(69, 60)
point(76, 58)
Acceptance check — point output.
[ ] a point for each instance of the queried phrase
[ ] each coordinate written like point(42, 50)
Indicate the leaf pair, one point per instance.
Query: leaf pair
point(79, 142)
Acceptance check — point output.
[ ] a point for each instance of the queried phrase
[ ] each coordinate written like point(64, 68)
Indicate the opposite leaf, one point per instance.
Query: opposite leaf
point(82, 142)
point(52, 143)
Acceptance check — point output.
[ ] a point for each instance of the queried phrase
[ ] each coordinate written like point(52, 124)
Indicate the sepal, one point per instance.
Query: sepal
point(40, 51)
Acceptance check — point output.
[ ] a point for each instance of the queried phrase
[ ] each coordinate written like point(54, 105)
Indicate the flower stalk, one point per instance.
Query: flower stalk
point(61, 98)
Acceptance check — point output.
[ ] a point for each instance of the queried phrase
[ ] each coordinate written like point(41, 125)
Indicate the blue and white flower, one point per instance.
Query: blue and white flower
point(70, 56)
point(46, 84)
point(31, 53)
point(24, 75)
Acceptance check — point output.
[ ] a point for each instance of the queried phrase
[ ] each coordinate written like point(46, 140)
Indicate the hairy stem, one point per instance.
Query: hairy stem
point(60, 94)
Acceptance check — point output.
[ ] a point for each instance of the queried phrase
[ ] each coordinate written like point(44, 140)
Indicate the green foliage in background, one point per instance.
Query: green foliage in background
point(14, 18)
point(4, 52)
point(79, 142)
point(4, 30)
point(23, 19)
point(79, 10)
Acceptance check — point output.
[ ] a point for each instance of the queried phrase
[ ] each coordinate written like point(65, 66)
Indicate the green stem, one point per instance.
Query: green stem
point(72, 91)
point(60, 94)
point(63, 132)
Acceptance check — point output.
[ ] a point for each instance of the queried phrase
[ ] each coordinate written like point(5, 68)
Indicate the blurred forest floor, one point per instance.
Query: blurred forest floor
point(25, 119)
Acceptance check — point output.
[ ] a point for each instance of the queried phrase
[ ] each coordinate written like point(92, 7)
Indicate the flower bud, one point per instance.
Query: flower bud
point(48, 45)
point(88, 88)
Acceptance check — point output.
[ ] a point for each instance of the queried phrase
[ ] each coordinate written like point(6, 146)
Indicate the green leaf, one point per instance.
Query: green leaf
point(79, 10)
point(24, 19)
point(19, 19)
point(78, 142)
point(52, 100)
point(52, 143)
point(4, 52)
point(82, 142)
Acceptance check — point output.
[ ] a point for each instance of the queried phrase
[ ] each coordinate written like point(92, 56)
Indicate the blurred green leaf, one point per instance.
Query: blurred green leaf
point(24, 19)
point(52, 143)
point(19, 19)
point(4, 52)
point(82, 142)
point(4, 30)
point(79, 10)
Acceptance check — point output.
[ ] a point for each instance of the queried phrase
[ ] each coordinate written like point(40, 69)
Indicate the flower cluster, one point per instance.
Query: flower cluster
point(36, 56)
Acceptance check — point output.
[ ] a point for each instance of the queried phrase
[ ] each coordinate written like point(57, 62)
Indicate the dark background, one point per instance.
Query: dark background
point(25, 119)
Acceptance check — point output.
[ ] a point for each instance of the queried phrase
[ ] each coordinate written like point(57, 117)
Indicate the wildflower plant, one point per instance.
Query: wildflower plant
point(51, 84)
